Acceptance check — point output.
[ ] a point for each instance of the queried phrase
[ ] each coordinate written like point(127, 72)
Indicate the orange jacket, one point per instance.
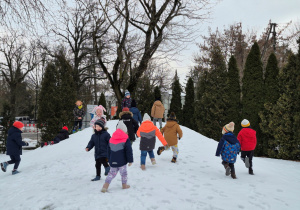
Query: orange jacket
point(147, 131)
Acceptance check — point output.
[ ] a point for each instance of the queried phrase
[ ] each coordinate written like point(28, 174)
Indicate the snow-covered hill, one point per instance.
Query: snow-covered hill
point(58, 177)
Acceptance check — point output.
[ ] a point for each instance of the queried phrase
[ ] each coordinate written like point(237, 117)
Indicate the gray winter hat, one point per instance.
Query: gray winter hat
point(122, 126)
point(146, 117)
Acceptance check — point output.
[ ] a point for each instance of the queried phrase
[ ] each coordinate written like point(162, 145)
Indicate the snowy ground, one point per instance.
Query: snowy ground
point(58, 177)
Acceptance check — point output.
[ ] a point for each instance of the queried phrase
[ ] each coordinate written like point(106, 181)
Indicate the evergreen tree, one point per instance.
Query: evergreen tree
point(157, 93)
point(271, 90)
point(102, 101)
point(144, 96)
point(213, 104)
point(6, 122)
point(176, 105)
point(253, 95)
point(234, 93)
point(188, 108)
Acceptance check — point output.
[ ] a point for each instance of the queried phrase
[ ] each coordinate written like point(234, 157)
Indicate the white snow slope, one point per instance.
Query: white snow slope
point(58, 177)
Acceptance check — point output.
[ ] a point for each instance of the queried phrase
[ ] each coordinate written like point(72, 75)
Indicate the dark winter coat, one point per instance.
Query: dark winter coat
point(14, 142)
point(126, 103)
point(131, 124)
point(136, 114)
point(78, 113)
point(119, 149)
point(247, 139)
point(99, 140)
point(229, 137)
point(62, 135)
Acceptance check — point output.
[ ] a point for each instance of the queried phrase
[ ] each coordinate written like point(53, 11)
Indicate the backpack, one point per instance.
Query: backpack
point(230, 151)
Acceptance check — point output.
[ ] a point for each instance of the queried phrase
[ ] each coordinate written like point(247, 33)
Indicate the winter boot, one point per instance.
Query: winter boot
point(15, 172)
point(173, 160)
point(107, 171)
point(247, 163)
point(96, 178)
point(105, 187)
point(227, 169)
point(4, 166)
point(233, 175)
point(153, 161)
point(251, 171)
point(44, 144)
point(160, 150)
point(143, 167)
point(74, 131)
point(79, 129)
point(125, 186)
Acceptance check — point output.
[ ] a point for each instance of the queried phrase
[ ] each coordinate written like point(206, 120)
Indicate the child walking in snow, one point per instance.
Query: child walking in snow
point(99, 115)
point(78, 112)
point(170, 132)
point(228, 147)
point(157, 112)
point(132, 126)
point(136, 112)
point(14, 145)
point(119, 154)
point(99, 140)
point(62, 135)
point(147, 131)
point(247, 139)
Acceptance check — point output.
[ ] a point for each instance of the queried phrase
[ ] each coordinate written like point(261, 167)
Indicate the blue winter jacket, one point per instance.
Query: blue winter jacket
point(229, 137)
point(14, 142)
point(136, 114)
point(99, 140)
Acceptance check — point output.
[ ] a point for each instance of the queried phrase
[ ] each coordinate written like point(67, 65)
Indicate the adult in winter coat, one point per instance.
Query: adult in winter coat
point(247, 138)
point(99, 115)
point(228, 147)
point(136, 112)
point(62, 135)
point(99, 140)
point(119, 154)
point(14, 145)
point(132, 126)
point(147, 131)
point(126, 101)
point(157, 112)
point(78, 113)
point(171, 132)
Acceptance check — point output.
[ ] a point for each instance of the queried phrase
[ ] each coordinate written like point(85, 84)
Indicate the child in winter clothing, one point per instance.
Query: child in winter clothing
point(78, 112)
point(99, 115)
point(126, 101)
point(228, 147)
point(157, 112)
point(14, 146)
point(132, 126)
point(170, 132)
point(247, 139)
point(147, 131)
point(136, 112)
point(119, 154)
point(62, 135)
point(99, 140)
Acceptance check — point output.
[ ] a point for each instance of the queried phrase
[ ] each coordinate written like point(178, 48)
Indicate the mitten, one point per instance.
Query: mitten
point(52, 142)
point(129, 164)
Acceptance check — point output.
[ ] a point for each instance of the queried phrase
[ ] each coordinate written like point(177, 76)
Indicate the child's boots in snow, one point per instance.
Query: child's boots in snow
point(96, 178)
point(173, 160)
point(107, 171)
point(160, 150)
point(251, 171)
point(4, 166)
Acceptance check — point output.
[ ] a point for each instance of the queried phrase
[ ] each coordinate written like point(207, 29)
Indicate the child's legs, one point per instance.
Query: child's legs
point(111, 175)
point(123, 172)
point(151, 154)
point(250, 155)
point(154, 121)
point(75, 125)
point(16, 159)
point(104, 161)
point(160, 122)
point(143, 157)
point(243, 155)
point(98, 167)
point(80, 124)
point(231, 165)
point(175, 150)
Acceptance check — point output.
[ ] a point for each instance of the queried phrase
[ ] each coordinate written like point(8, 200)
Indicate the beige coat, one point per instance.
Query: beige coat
point(157, 110)
point(170, 132)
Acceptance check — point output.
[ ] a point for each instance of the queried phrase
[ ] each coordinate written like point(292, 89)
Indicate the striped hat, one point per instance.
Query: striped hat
point(228, 128)
point(245, 123)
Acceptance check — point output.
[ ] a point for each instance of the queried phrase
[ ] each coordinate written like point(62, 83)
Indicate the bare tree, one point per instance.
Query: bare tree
point(20, 59)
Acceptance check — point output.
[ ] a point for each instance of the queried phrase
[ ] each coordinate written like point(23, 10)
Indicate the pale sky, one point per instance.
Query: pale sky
point(254, 14)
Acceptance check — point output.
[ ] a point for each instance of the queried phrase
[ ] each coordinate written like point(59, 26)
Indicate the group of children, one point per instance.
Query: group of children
point(230, 146)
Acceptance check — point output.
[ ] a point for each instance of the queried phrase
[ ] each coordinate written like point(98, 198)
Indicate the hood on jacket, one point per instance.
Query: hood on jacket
point(170, 123)
point(118, 135)
point(158, 103)
point(147, 126)
point(126, 112)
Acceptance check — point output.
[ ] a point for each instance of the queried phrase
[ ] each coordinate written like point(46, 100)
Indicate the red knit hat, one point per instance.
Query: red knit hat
point(18, 124)
point(65, 128)
point(125, 109)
